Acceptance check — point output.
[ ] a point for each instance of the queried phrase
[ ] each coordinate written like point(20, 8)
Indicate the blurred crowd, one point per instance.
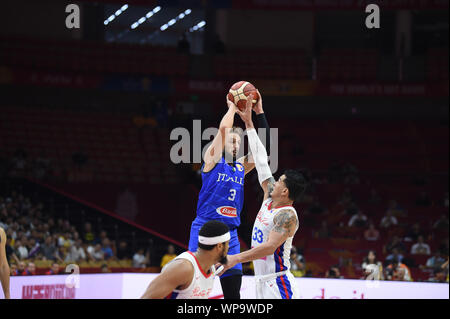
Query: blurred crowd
point(35, 237)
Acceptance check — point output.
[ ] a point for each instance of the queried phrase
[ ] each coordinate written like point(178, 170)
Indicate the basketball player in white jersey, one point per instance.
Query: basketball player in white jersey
point(4, 267)
point(191, 274)
point(275, 224)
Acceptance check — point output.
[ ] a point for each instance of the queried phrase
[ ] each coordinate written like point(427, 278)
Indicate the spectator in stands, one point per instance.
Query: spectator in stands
point(358, 220)
point(420, 248)
point(371, 234)
point(395, 255)
point(441, 223)
point(333, 272)
point(33, 247)
point(61, 254)
point(397, 271)
point(445, 268)
point(388, 220)
point(374, 198)
point(316, 208)
point(48, 249)
point(102, 236)
point(140, 260)
point(122, 251)
point(169, 256)
point(65, 240)
point(54, 270)
point(76, 252)
point(21, 269)
point(106, 248)
point(10, 254)
point(88, 235)
point(96, 253)
point(323, 231)
point(21, 249)
point(413, 233)
point(438, 276)
point(13, 269)
point(435, 261)
point(423, 200)
point(31, 269)
point(394, 243)
point(395, 209)
point(298, 266)
point(371, 259)
point(183, 45)
point(104, 269)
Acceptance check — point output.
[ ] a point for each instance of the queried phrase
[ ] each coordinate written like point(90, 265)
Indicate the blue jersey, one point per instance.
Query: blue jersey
point(222, 194)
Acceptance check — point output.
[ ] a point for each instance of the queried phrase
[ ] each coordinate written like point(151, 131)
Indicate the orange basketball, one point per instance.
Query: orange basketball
point(239, 92)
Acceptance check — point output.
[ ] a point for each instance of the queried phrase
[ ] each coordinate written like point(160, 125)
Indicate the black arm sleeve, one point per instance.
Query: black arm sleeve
point(262, 123)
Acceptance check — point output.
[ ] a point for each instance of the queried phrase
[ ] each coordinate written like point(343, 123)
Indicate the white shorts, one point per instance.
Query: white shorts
point(282, 286)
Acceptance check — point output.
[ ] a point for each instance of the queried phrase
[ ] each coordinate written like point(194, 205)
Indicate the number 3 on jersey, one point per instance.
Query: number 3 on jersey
point(258, 235)
point(232, 194)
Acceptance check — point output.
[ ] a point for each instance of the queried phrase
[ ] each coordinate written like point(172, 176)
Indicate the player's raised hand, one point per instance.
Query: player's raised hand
point(231, 105)
point(258, 106)
point(246, 115)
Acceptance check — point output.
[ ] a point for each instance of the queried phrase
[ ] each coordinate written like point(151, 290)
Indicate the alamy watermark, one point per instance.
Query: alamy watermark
point(73, 19)
point(181, 150)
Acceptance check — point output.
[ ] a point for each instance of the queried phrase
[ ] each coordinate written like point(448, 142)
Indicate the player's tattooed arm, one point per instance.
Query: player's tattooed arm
point(285, 225)
point(285, 222)
point(268, 186)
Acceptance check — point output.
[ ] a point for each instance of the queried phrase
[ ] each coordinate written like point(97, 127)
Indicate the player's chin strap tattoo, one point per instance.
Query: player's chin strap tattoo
point(259, 154)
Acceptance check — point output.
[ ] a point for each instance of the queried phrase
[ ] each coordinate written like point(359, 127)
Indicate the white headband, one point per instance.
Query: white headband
point(214, 240)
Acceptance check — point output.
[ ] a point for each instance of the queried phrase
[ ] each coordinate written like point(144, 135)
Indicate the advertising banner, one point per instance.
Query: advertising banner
point(132, 286)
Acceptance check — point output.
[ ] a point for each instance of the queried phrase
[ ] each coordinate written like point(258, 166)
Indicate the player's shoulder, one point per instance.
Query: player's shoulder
point(267, 202)
point(286, 214)
point(181, 265)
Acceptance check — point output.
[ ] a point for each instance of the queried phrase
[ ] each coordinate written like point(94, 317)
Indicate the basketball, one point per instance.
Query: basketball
point(239, 92)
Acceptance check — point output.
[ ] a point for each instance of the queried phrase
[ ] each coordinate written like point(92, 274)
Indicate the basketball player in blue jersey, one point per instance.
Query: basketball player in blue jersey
point(274, 227)
point(222, 194)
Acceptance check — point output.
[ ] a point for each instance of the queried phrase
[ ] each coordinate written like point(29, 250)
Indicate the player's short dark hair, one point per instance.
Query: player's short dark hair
point(296, 182)
point(212, 228)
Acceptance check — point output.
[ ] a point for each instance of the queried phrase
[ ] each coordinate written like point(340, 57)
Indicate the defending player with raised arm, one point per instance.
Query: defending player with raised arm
point(222, 194)
point(4, 267)
point(191, 274)
point(275, 225)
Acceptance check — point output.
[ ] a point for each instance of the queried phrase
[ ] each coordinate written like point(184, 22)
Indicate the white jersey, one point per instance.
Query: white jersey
point(273, 278)
point(201, 284)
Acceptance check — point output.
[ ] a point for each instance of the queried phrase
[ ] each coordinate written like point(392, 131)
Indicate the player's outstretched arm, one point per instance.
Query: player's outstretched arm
point(285, 224)
point(215, 149)
point(177, 275)
point(248, 161)
point(4, 267)
point(257, 149)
